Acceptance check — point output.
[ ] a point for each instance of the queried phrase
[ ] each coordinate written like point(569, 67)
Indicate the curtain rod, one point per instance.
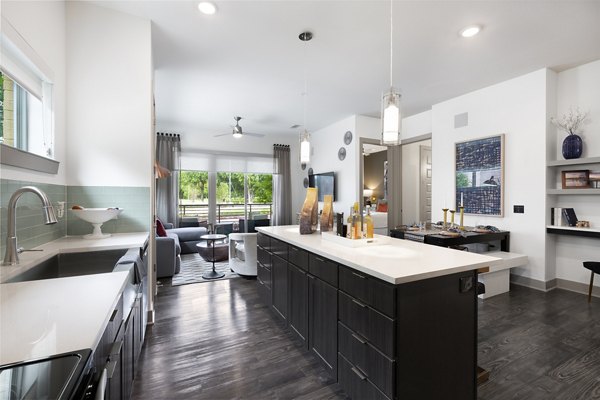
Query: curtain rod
point(281, 145)
point(169, 134)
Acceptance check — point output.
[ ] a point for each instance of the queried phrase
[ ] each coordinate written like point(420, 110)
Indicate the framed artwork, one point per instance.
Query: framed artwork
point(480, 176)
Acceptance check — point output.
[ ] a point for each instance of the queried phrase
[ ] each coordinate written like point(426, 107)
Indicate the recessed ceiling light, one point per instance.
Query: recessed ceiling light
point(206, 7)
point(470, 31)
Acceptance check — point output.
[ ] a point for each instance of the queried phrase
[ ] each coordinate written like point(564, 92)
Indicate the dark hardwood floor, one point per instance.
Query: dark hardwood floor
point(217, 341)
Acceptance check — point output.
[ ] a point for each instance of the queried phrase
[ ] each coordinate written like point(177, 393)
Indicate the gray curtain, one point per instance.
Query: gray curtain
point(168, 149)
point(282, 186)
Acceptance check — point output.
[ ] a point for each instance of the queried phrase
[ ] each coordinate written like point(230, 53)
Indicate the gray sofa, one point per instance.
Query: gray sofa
point(169, 248)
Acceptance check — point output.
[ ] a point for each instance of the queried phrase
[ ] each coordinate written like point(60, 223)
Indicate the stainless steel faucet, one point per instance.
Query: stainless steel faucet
point(11, 256)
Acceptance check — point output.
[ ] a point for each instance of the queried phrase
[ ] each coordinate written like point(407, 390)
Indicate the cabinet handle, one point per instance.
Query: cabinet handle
point(113, 315)
point(310, 276)
point(358, 373)
point(110, 368)
point(358, 303)
point(319, 259)
point(358, 275)
point(359, 338)
point(116, 348)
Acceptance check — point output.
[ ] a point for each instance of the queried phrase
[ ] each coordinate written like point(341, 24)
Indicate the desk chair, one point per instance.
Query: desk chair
point(593, 266)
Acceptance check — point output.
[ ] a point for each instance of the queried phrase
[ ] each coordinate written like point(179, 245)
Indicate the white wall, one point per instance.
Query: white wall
point(411, 181)
point(516, 108)
point(325, 144)
point(109, 97)
point(416, 125)
point(42, 25)
point(579, 87)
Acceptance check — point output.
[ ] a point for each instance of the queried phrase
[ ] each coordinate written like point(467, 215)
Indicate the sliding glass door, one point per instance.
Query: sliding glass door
point(238, 196)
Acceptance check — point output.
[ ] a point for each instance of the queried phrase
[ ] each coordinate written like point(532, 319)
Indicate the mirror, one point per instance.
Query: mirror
point(375, 182)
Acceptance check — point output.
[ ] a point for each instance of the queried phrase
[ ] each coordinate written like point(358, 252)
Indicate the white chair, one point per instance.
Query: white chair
point(242, 253)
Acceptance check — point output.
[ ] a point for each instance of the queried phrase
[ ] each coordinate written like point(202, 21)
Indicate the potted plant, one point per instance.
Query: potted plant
point(571, 123)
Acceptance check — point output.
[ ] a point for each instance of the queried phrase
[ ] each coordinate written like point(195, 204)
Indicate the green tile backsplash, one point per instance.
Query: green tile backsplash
point(31, 231)
point(134, 201)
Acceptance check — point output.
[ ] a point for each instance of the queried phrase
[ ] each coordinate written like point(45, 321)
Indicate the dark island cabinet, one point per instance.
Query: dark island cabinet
point(279, 274)
point(414, 340)
point(298, 302)
point(322, 325)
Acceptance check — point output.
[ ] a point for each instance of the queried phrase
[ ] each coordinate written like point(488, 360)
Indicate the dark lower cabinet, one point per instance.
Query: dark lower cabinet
point(298, 302)
point(322, 322)
point(279, 274)
point(355, 383)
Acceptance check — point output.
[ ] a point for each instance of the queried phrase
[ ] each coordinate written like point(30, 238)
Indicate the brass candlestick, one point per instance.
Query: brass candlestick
point(452, 218)
point(445, 210)
point(462, 217)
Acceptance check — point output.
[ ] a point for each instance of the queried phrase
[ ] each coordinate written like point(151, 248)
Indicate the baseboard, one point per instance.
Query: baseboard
point(533, 283)
point(577, 287)
point(552, 284)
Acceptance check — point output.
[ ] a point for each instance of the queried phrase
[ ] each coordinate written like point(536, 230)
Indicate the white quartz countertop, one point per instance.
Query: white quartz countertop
point(389, 259)
point(47, 317)
point(71, 244)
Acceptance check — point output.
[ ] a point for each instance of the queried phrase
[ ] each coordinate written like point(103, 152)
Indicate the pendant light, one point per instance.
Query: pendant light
point(305, 136)
point(391, 117)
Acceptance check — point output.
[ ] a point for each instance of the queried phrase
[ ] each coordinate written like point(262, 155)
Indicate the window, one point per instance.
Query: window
point(193, 194)
point(26, 106)
point(230, 203)
point(21, 118)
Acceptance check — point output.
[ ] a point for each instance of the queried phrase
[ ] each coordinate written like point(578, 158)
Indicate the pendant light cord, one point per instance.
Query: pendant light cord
point(305, 94)
point(391, 42)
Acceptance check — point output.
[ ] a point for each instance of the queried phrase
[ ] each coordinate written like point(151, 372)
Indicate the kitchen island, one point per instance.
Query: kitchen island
point(391, 319)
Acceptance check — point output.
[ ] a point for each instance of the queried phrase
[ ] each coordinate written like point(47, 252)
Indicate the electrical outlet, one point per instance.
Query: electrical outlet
point(519, 209)
point(466, 284)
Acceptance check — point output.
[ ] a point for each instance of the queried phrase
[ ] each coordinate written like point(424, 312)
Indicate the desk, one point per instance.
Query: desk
point(433, 237)
point(210, 239)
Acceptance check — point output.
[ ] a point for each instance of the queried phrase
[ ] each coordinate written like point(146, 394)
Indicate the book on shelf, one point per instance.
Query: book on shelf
point(569, 216)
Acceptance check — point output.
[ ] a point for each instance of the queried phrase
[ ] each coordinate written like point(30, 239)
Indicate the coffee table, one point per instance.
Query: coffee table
point(211, 239)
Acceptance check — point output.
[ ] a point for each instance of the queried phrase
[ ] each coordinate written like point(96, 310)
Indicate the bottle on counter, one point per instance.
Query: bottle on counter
point(356, 224)
point(349, 230)
point(368, 224)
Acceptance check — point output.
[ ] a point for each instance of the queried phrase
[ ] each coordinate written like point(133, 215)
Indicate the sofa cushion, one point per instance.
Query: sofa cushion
point(189, 234)
point(160, 228)
point(175, 237)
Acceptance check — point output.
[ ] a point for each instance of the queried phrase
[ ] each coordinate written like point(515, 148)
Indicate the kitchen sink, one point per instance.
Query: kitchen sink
point(71, 264)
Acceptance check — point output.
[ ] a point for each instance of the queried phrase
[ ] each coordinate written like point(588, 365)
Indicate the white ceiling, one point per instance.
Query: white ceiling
point(247, 59)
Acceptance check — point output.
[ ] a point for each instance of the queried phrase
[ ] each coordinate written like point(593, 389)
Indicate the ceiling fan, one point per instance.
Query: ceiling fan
point(237, 131)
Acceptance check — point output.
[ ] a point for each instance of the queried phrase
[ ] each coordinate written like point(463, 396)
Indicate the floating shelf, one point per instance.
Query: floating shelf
point(573, 231)
point(576, 161)
point(573, 191)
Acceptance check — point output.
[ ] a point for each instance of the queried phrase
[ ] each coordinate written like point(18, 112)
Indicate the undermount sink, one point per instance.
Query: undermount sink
point(96, 217)
point(71, 264)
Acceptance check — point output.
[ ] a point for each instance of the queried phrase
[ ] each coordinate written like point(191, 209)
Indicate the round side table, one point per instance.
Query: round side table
point(210, 239)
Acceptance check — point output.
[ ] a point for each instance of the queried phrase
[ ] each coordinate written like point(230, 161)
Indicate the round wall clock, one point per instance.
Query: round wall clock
point(342, 153)
point(303, 165)
point(348, 137)
point(305, 182)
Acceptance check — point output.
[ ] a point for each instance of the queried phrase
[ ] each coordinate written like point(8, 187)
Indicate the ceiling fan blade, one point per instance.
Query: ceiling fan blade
point(254, 134)
point(222, 134)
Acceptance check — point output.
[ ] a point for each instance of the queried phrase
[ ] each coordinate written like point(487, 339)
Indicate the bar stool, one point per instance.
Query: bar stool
point(593, 266)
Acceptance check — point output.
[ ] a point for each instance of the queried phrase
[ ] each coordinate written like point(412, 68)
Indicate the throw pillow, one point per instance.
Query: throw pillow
point(160, 229)
point(382, 207)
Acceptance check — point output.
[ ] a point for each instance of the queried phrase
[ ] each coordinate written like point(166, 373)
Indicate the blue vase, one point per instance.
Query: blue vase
point(572, 147)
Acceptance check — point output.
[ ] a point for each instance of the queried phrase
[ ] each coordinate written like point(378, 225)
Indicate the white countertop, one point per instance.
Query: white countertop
point(71, 244)
point(392, 260)
point(47, 317)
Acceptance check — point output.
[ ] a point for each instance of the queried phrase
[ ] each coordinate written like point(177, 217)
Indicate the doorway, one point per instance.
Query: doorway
point(416, 181)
